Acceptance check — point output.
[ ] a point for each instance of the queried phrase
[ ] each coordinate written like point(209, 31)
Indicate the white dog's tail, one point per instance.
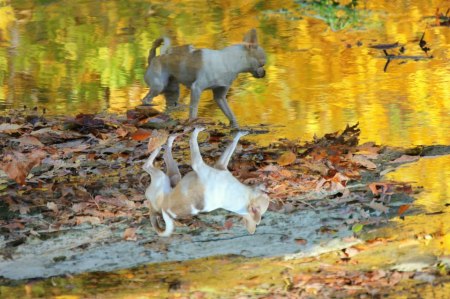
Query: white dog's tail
point(156, 44)
point(163, 232)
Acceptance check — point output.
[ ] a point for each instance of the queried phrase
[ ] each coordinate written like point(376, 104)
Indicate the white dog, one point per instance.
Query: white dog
point(202, 190)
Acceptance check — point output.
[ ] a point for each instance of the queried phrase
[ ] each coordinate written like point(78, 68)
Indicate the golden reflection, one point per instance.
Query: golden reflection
point(433, 174)
point(90, 56)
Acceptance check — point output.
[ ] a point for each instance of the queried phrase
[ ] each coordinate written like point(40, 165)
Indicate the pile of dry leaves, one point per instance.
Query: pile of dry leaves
point(61, 172)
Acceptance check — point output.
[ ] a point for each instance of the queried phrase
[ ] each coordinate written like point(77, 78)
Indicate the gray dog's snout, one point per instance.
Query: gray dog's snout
point(263, 73)
point(259, 73)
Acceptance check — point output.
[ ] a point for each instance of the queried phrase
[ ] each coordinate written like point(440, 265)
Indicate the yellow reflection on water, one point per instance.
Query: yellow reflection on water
point(90, 56)
point(433, 174)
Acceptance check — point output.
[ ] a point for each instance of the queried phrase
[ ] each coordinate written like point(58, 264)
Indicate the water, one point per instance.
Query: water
point(90, 56)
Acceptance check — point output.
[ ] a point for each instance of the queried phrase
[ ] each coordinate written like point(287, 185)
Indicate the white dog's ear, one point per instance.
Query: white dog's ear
point(258, 206)
point(249, 223)
point(250, 39)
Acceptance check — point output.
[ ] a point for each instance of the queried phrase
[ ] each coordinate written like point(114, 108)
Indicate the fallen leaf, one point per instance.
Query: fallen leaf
point(301, 241)
point(29, 140)
point(52, 206)
point(24, 209)
point(405, 159)
point(402, 209)
point(119, 201)
point(357, 227)
point(78, 207)
point(141, 135)
point(9, 128)
point(351, 251)
point(90, 219)
point(18, 165)
point(228, 224)
point(270, 168)
point(286, 158)
point(378, 188)
point(130, 234)
point(361, 160)
point(157, 138)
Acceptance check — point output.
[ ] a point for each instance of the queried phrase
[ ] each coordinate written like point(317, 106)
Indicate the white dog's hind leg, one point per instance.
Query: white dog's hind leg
point(172, 167)
point(224, 159)
point(196, 157)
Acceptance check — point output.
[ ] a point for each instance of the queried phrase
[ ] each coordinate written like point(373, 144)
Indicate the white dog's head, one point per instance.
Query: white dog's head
point(257, 206)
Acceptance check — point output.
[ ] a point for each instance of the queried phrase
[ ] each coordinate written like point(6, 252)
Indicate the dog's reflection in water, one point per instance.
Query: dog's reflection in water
point(204, 189)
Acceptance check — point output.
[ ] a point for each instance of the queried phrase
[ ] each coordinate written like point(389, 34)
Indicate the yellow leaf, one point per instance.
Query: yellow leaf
point(286, 158)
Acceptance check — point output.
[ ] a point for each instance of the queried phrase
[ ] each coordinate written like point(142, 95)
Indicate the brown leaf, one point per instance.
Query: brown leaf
point(378, 188)
point(122, 132)
point(29, 140)
point(119, 201)
point(158, 138)
point(286, 158)
point(270, 168)
point(405, 159)
point(361, 160)
point(402, 209)
point(78, 207)
point(301, 241)
point(130, 234)
point(9, 128)
point(317, 166)
point(18, 165)
point(228, 224)
point(90, 219)
point(141, 135)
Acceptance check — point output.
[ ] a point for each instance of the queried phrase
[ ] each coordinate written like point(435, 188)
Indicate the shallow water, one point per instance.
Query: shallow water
point(90, 56)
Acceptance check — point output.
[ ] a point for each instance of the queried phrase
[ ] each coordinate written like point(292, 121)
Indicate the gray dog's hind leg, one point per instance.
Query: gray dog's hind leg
point(220, 94)
point(224, 159)
point(172, 93)
point(195, 99)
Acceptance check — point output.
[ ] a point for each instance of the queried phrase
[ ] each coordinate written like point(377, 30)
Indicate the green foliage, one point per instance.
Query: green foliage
point(338, 16)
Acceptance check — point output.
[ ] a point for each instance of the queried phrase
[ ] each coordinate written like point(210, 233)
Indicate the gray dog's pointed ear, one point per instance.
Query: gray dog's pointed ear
point(250, 39)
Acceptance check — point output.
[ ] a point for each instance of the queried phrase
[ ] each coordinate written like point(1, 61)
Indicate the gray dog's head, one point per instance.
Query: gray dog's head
point(255, 54)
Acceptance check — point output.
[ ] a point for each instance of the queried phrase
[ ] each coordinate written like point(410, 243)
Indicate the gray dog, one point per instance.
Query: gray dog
point(200, 69)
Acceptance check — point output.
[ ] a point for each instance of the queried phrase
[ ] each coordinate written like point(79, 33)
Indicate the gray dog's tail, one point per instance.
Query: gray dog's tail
point(156, 44)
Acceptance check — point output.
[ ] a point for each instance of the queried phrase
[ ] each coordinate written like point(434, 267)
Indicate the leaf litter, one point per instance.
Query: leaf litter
point(87, 170)
point(94, 161)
